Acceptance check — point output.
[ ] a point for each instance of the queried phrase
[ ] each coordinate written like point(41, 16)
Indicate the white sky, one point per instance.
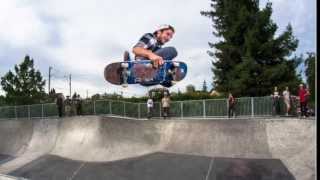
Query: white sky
point(81, 37)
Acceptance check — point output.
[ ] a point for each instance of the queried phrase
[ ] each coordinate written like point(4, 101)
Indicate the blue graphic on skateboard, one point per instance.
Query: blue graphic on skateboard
point(143, 72)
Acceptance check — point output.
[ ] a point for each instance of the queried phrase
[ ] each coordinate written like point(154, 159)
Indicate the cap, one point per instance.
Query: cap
point(164, 26)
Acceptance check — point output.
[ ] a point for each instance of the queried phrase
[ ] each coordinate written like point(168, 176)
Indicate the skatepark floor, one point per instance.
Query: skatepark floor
point(95, 147)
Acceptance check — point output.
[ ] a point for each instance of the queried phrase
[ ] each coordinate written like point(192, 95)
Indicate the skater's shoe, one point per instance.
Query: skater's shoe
point(173, 82)
point(126, 56)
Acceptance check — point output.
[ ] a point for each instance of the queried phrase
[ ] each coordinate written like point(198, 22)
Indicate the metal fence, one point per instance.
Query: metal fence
point(246, 106)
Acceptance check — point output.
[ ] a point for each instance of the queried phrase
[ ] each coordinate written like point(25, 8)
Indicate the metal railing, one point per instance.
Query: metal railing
point(245, 106)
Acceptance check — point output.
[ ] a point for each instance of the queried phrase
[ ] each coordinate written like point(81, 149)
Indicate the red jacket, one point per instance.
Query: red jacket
point(302, 95)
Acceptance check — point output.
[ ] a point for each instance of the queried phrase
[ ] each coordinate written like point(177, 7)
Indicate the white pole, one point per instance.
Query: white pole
point(204, 108)
point(94, 107)
point(227, 107)
point(42, 113)
point(139, 111)
point(110, 109)
point(160, 108)
point(124, 109)
point(252, 107)
point(181, 107)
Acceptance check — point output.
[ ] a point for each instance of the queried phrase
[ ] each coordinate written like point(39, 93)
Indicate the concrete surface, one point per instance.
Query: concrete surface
point(88, 143)
point(156, 166)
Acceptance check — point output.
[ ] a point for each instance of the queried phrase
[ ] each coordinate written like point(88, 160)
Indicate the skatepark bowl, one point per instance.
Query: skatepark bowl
point(105, 147)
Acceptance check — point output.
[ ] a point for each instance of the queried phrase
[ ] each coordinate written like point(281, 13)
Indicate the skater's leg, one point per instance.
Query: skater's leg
point(167, 53)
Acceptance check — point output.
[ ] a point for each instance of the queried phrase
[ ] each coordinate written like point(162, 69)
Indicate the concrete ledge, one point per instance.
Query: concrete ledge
point(6, 177)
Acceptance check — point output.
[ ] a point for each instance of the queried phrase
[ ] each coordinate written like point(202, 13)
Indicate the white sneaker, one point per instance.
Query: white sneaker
point(174, 82)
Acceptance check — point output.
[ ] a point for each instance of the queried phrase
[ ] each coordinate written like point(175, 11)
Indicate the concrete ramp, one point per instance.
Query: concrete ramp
point(79, 143)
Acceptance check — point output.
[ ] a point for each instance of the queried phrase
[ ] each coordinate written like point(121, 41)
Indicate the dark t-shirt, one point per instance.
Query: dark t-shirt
point(59, 102)
point(231, 101)
point(148, 41)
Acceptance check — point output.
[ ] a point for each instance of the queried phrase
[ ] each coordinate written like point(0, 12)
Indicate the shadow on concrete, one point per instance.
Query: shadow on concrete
point(156, 166)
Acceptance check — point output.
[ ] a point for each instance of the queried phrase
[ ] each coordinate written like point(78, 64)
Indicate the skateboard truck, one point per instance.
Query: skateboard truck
point(125, 73)
point(172, 71)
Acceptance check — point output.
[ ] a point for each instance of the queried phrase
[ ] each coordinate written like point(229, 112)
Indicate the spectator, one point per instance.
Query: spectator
point(68, 107)
point(59, 103)
point(165, 105)
point(286, 99)
point(276, 101)
point(74, 104)
point(79, 105)
point(307, 98)
point(150, 107)
point(231, 106)
point(303, 103)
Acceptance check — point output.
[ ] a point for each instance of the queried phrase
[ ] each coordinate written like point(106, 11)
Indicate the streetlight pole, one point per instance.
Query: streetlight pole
point(49, 88)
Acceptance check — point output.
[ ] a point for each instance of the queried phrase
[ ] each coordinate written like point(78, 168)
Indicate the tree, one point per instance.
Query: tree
point(2, 100)
point(204, 86)
point(74, 96)
point(25, 85)
point(190, 88)
point(310, 73)
point(52, 92)
point(249, 60)
point(95, 97)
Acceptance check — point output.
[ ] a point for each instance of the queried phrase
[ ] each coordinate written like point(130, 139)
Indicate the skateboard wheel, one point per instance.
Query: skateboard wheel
point(124, 65)
point(148, 65)
point(176, 64)
point(170, 71)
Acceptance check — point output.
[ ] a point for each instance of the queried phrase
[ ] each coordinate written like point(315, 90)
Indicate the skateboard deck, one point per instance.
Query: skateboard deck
point(142, 72)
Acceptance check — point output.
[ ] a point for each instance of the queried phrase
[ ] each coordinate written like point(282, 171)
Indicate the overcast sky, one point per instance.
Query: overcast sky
point(81, 37)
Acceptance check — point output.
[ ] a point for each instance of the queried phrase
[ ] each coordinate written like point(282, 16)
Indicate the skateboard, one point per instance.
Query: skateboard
point(143, 72)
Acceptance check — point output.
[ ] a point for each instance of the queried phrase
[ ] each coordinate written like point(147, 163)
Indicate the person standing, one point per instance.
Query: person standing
point(286, 99)
point(231, 106)
point(303, 103)
point(68, 107)
point(79, 105)
point(150, 107)
point(276, 101)
point(307, 98)
point(165, 105)
point(59, 103)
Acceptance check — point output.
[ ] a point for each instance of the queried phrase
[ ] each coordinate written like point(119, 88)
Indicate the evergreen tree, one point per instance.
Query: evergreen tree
point(52, 92)
point(204, 86)
point(249, 60)
point(2, 100)
point(95, 97)
point(74, 96)
point(310, 73)
point(25, 85)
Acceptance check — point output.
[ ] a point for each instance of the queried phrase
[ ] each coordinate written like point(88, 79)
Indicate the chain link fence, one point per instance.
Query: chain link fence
point(245, 107)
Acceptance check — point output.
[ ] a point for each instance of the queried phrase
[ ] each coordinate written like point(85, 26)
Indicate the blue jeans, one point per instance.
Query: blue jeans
point(167, 53)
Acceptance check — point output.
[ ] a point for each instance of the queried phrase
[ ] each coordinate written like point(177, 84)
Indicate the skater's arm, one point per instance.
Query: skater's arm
point(139, 51)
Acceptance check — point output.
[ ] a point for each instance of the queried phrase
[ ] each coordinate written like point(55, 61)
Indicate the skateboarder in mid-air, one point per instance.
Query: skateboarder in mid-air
point(154, 64)
point(150, 45)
